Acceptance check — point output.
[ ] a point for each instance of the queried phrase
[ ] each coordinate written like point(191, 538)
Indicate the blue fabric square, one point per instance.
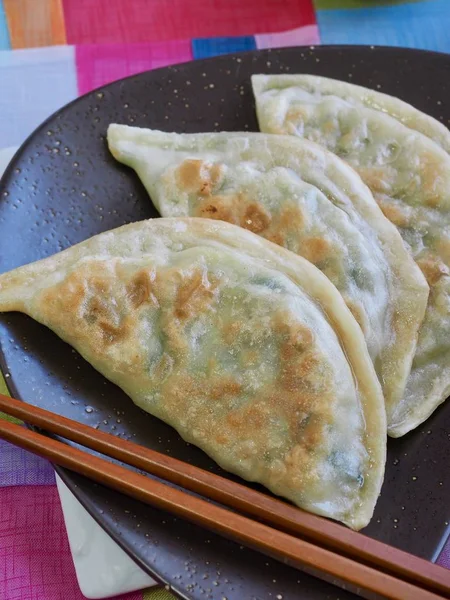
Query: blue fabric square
point(207, 47)
point(4, 34)
point(33, 84)
point(424, 25)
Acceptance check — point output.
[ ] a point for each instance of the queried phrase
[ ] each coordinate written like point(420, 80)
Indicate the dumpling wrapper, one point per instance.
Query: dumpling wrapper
point(296, 194)
point(247, 350)
point(286, 88)
point(409, 175)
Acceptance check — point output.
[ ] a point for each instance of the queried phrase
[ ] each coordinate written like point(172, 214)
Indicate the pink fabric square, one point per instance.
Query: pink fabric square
point(98, 65)
point(116, 21)
point(35, 559)
point(302, 36)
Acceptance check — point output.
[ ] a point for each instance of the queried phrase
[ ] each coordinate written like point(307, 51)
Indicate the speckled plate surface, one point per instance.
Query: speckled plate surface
point(63, 187)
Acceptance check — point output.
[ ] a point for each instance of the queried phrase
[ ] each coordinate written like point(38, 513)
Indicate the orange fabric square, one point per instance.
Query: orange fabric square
point(34, 23)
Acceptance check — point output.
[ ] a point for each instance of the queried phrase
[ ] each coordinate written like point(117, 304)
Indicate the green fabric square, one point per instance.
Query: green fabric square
point(4, 390)
point(157, 594)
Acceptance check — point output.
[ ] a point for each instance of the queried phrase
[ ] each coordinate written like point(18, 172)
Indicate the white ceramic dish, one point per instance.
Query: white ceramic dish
point(103, 569)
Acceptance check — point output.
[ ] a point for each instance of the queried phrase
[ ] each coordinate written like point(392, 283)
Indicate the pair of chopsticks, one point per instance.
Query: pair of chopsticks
point(273, 527)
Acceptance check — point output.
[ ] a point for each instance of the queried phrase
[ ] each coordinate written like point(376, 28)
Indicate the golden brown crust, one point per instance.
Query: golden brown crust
point(433, 268)
point(430, 172)
point(291, 216)
point(195, 175)
point(256, 218)
point(221, 207)
point(316, 249)
point(139, 289)
point(395, 213)
point(240, 209)
point(195, 295)
point(378, 179)
point(443, 249)
point(237, 209)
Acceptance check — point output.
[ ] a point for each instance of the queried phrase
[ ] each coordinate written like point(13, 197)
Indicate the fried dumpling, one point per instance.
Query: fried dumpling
point(301, 197)
point(273, 91)
point(399, 153)
point(245, 348)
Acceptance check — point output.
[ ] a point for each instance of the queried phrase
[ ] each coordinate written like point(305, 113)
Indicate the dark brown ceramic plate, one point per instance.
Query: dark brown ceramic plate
point(63, 187)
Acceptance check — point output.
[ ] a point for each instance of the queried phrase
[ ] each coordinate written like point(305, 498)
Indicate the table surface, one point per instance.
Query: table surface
point(51, 51)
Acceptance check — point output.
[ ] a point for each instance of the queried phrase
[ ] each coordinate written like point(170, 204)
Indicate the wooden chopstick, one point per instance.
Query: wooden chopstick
point(298, 553)
point(266, 509)
point(278, 545)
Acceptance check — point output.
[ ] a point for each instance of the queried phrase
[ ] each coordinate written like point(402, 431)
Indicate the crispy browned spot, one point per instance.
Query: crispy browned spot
point(312, 433)
point(378, 179)
point(112, 333)
point(74, 288)
point(297, 358)
point(176, 341)
point(275, 237)
point(100, 314)
point(231, 330)
point(194, 295)
point(84, 294)
point(433, 200)
point(394, 213)
point(215, 174)
point(302, 460)
point(291, 217)
point(222, 439)
point(206, 188)
point(221, 387)
point(316, 249)
point(256, 218)
point(299, 465)
point(443, 248)
point(239, 209)
point(178, 390)
point(139, 289)
point(433, 269)
point(195, 175)
point(298, 337)
point(187, 295)
point(92, 306)
point(222, 208)
point(253, 415)
point(294, 374)
point(430, 172)
point(189, 175)
point(181, 389)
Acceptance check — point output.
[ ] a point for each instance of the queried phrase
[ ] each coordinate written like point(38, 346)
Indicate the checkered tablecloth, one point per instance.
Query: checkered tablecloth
point(51, 51)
